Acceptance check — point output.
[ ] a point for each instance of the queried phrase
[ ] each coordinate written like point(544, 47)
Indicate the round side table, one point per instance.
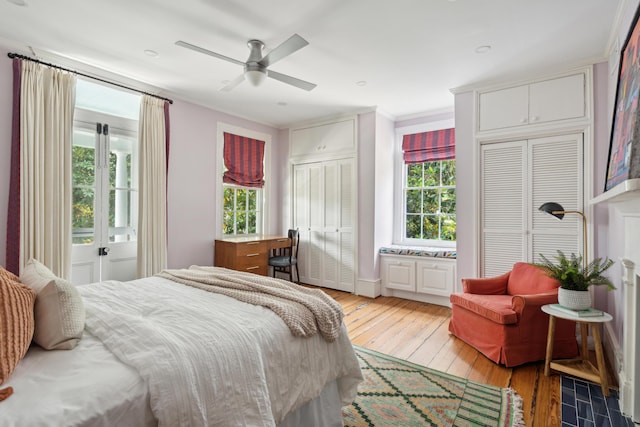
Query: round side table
point(582, 367)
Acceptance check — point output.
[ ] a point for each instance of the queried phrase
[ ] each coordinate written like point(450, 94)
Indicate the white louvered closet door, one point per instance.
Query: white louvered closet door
point(504, 199)
point(323, 210)
point(556, 176)
point(516, 178)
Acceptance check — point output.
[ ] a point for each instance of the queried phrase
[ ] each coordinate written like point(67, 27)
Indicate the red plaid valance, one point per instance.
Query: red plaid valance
point(243, 158)
point(429, 146)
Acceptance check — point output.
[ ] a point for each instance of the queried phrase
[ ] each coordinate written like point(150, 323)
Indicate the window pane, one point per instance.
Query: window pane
point(83, 163)
point(413, 226)
point(241, 199)
point(414, 175)
point(431, 174)
point(414, 201)
point(252, 196)
point(448, 200)
point(449, 228)
point(430, 204)
point(449, 172)
point(430, 226)
point(241, 222)
point(251, 219)
point(83, 215)
point(227, 225)
point(97, 97)
point(228, 198)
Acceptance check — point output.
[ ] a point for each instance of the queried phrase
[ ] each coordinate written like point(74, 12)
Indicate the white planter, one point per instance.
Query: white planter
point(575, 300)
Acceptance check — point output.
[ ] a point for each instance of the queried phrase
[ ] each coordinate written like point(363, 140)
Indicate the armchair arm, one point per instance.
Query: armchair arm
point(532, 303)
point(486, 285)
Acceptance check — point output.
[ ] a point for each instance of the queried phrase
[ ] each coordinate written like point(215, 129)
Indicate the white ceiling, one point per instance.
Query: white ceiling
point(410, 53)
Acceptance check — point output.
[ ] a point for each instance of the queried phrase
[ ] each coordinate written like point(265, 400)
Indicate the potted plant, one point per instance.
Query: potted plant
point(575, 278)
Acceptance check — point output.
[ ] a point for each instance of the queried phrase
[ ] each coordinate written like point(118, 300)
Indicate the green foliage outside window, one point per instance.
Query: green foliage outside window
point(430, 198)
point(84, 193)
point(240, 211)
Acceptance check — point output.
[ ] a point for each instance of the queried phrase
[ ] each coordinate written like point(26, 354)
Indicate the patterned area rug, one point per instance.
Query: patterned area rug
point(399, 393)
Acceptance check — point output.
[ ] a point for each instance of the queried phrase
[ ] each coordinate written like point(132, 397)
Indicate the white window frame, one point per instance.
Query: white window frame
point(399, 225)
point(263, 194)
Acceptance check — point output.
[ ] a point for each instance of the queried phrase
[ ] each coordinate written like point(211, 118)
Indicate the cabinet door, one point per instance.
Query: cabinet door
point(504, 108)
point(330, 138)
point(346, 219)
point(301, 217)
point(555, 176)
point(503, 174)
point(435, 277)
point(398, 274)
point(557, 99)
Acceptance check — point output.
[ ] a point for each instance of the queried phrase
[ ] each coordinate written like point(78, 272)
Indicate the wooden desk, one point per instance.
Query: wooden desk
point(581, 368)
point(247, 253)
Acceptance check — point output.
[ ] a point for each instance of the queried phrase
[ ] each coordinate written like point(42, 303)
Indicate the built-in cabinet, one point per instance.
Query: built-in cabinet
point(533, 147)
point(539, 102)
point(516, 178)
point(419, 278)
point(324, 203)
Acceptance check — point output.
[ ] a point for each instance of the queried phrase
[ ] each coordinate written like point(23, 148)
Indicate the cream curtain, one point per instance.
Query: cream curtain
point(152, 213)
point(47, 102)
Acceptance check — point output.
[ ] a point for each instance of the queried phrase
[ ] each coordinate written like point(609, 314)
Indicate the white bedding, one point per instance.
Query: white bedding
point(86, 386)
point(211, 360)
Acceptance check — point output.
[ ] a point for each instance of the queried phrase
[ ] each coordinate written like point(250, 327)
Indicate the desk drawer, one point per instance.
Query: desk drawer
point(250, 248)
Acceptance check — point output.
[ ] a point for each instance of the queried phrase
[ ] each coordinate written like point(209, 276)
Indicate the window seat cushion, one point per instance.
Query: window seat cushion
point(418, 251)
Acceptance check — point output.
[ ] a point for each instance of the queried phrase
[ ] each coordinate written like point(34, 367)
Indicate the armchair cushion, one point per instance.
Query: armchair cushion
point(496, 308)
point(527, 279)
point(487, 285)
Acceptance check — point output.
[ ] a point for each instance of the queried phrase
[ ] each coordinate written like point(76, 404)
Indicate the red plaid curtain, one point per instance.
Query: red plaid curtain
point(429, 146)
point(243, 158)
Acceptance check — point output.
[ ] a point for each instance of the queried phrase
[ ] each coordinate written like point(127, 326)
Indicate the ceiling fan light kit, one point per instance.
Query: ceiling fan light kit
point(255, 68)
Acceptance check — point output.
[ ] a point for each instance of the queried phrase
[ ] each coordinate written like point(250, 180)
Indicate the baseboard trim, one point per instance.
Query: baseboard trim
point(368, 288)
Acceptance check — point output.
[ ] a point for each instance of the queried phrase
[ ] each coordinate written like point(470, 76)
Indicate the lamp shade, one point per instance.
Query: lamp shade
point(255, 77)
point(553, 208)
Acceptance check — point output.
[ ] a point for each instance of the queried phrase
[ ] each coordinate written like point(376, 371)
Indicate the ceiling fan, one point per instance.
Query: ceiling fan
point(255, 69)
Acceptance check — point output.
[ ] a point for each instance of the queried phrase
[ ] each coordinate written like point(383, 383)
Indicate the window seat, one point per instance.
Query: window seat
point(424, 251)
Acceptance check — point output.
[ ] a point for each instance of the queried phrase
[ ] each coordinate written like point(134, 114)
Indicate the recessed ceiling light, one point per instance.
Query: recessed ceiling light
point(483, 49)
point(151, 53)
point(361, 83)
point(18, 2)
point(282, 104)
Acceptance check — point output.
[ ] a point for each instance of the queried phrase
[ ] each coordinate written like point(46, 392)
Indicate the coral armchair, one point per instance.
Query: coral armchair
point(501, 316)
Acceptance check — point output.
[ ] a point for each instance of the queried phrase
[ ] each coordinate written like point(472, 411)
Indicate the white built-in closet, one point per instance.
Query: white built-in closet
point(532, 148)
point(324, 202)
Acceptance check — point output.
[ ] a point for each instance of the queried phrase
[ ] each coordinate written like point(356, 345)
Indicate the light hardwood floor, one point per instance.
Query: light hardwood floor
point(418, 332)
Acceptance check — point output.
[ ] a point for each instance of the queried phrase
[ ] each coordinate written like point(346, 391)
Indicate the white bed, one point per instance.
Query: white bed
point(155, 352)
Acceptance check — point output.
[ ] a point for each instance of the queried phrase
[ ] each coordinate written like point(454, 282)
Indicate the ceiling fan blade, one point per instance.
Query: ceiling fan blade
point(208, 52)
point(235, 82)
point(286, 48)
point(291, 80)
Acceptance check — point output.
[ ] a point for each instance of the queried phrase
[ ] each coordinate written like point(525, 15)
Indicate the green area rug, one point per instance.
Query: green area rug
point(399, 393)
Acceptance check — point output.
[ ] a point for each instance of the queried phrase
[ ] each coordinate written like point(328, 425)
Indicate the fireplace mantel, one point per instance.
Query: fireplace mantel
point(623, 202)
point(627, 191)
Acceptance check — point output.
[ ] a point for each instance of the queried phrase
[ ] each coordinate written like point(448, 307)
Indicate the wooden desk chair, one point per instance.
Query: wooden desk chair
point(285, 259)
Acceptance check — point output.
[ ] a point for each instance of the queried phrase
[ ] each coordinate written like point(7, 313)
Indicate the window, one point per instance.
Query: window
point(425, 202)
point(242, 177)
point(242, 210)
point(430, 201)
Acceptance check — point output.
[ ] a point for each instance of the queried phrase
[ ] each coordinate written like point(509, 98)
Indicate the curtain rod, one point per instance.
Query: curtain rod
point(16, 55)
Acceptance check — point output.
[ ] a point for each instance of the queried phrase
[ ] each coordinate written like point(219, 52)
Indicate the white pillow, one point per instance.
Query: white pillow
point(59, 311)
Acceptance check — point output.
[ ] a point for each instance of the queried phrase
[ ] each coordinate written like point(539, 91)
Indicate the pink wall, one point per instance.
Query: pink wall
point(192, 196)
point(192, 193)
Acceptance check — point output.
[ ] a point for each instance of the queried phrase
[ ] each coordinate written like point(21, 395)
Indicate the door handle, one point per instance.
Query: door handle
point(103, 251)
